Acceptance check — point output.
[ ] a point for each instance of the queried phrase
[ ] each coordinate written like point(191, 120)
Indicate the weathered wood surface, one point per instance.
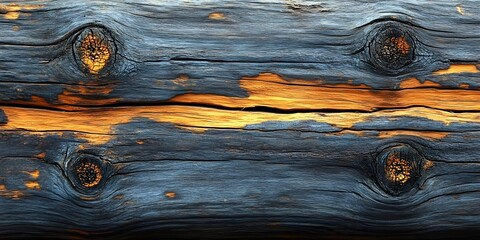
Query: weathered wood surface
point(239, 119)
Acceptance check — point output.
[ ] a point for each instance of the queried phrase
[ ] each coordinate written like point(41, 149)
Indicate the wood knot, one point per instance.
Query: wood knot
point(87, 172)
point(397, 168)
point(392, 48)
point(94, 50)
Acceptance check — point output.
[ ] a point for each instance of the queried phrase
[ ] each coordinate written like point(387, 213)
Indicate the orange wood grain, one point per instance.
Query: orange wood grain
point(98, 125)
point(270, 90)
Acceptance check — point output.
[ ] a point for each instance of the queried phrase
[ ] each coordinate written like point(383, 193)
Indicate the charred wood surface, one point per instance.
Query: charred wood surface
point(239, 119)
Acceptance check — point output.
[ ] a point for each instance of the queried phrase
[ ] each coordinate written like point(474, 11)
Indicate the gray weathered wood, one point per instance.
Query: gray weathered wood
point(158, 42)
point(197, 169)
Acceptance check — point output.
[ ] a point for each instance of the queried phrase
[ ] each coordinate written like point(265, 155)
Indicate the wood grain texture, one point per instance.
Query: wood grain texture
point(277, 177)
point(261, 178)
point(239, 119)
point(181, 50)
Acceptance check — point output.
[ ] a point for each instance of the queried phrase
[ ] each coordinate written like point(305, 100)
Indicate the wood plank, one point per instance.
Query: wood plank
point(271, 177)
point(239, 119)
point(181, 50)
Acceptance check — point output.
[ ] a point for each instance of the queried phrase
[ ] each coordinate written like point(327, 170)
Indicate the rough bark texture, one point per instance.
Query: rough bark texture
point(239, 119)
